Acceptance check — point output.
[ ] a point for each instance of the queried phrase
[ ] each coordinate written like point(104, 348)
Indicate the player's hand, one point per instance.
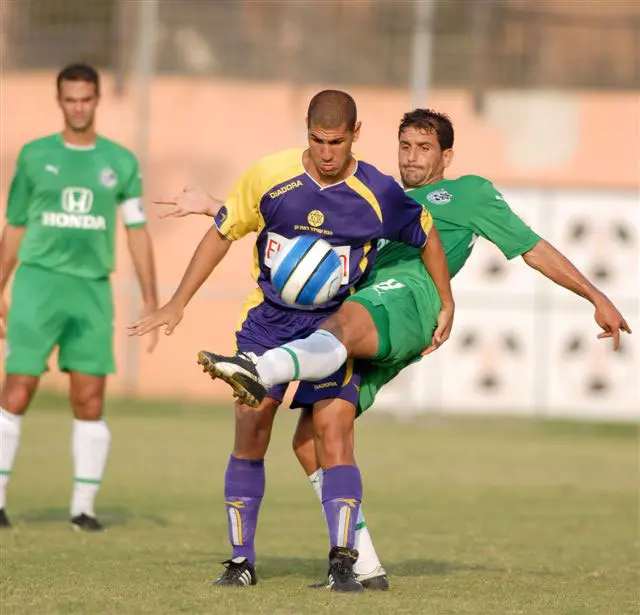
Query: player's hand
point(443, 329)
point(610, 320)
point(4, 310)
point(191, 200)
point(168, 316)
point(153, 335)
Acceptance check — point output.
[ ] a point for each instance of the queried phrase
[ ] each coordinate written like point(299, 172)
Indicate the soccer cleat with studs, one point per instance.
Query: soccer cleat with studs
point(342, 578)
point(238, 572)
point(4, 520)
point(239, 372)
point(85, 523)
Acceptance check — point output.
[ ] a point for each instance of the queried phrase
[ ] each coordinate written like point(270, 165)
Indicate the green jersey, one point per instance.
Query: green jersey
point(67, 198)
point(463, 209)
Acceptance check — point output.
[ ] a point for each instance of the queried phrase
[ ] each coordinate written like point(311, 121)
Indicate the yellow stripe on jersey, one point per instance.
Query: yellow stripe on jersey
point(356, 185)
point(348, 374)
point(364, 261)
point(426, 221)
point(243, 202)
point(254, 299)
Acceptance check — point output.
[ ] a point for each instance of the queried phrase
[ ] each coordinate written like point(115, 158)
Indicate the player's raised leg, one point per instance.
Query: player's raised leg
point(368, 568)
point(17, 392)
point(244, 486)
point(350, 332)
point(90, 448)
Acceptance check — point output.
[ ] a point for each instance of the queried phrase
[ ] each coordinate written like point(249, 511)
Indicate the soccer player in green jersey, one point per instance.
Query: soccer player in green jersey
point(390, 320)
point(61, 222)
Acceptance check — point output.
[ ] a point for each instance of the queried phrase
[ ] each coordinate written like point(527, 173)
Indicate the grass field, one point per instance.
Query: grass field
point(474, 517)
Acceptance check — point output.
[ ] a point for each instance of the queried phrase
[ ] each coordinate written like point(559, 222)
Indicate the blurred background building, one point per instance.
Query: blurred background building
point(545, 97)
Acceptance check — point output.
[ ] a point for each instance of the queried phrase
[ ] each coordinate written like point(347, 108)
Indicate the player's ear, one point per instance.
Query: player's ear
point(356, 131)
point(447, 157)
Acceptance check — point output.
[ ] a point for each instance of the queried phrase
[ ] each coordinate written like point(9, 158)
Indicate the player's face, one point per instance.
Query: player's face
point(78, 101)
point(421, 160)
point(330, 150)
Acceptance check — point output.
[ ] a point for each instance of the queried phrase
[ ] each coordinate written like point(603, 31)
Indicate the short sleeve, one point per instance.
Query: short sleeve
point(131, 204)
point(494, 220)
point(404, 219)
point(239, 215)
point(20, 194)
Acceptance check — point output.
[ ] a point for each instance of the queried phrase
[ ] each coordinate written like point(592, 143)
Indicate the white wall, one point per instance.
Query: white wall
point(523, 346)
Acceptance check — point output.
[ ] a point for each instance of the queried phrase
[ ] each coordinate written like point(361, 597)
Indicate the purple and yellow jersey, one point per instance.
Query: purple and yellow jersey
point(279, 200)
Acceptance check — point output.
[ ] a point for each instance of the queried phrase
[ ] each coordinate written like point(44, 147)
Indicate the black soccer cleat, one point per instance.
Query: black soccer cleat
point(238, 572)
point(238, 372)
point(85, 523)
point(377, 580)
point(342, 578)
point(4, 520)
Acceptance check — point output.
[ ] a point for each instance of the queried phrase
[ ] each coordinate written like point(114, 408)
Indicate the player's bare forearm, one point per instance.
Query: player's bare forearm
point(547, 260)
point(141, 250)
point(212, 249)
point(435, 262)
point(9, 247)
point(190, 201)
point(554, 265)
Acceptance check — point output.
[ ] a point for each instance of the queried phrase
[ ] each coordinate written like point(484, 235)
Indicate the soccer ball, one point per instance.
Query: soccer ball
point(306, 272)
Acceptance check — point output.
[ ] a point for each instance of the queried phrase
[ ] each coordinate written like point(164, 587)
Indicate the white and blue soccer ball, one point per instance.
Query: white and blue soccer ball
point(306, 272)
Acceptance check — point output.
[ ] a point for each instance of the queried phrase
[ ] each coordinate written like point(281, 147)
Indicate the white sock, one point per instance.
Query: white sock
point(10, 427)
point(368, 559)
point(313, 358)
point(90, 447)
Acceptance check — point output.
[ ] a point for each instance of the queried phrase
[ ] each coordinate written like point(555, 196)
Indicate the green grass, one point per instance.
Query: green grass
point(481, 517)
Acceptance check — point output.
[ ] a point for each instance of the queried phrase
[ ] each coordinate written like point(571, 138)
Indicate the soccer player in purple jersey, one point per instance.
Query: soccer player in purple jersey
point(322, 190)
point(394, 310)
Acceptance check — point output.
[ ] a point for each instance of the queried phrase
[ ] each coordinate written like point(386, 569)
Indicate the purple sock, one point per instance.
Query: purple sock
point(243, 491)
point(341, 497)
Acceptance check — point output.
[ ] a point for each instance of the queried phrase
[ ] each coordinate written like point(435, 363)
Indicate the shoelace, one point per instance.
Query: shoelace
point(233, 571)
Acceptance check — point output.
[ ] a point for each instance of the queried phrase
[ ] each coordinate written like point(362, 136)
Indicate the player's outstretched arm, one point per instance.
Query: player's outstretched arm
point(190, 201)
point(212, 249)
point(553, 264)
point(141, 250)
point(435, 261)
point(9, 247)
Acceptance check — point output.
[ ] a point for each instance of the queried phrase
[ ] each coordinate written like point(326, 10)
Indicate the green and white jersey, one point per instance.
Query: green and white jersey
point(67, 198)
point(463, 209)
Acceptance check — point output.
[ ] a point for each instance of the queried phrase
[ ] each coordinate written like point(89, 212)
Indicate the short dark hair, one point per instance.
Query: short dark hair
point(332, 108)
point(431, 121)
point(79, 72)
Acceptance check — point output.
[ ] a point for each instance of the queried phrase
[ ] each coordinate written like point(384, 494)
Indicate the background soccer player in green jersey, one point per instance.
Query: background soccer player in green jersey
point(61, 221)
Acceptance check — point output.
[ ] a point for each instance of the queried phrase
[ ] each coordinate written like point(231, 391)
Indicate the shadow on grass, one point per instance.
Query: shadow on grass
point(315, 568)
point(109, 516)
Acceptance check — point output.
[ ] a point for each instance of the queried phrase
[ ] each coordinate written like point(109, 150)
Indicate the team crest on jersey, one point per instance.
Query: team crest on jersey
point(315, 218)
point(439, 197)
point(108, 178)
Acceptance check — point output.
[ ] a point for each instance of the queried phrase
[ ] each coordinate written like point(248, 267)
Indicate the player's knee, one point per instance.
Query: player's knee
point(253, 429)
point(353, 326)
point(335, 439)
point(87, 407)
point(18, 393)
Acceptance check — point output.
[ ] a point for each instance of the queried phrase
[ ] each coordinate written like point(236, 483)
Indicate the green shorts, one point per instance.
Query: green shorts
point(405, 312)
point(50, 309)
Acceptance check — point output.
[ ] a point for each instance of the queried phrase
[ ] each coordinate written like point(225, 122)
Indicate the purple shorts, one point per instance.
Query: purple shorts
point(267, 326)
